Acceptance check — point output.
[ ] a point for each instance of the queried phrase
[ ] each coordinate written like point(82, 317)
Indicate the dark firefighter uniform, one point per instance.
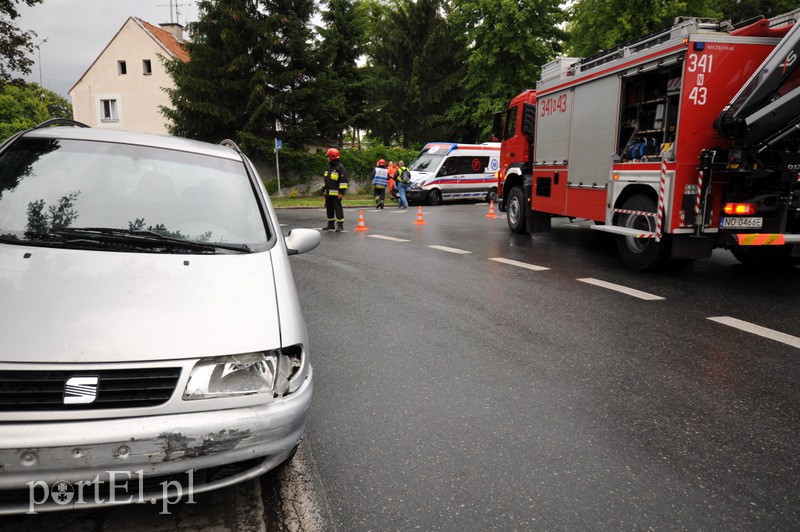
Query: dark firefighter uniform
point(335, 188)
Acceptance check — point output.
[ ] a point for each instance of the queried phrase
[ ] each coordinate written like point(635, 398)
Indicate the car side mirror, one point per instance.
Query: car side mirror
point(302, 240)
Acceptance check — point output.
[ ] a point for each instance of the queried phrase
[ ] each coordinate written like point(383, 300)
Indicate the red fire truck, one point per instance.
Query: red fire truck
point(679, 142)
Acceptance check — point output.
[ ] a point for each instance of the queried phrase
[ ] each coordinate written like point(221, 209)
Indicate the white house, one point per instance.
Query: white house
point(123, 88)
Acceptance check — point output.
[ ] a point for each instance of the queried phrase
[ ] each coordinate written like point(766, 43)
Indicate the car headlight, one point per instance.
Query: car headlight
point(418, 184)
point(266, 372)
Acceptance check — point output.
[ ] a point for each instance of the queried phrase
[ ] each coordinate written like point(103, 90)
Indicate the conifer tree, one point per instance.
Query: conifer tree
point(341, 85)
point(212, 95)
point(284, 89)
point(414, 62)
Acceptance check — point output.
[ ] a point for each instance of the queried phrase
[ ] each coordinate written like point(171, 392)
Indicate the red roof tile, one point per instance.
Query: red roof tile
point(165, 39)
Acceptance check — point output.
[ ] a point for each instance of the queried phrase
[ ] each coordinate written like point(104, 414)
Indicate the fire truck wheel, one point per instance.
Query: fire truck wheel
point(434, 197)
point(515, 208)
point(492, 195)
point(641, 253)
point(776, 257)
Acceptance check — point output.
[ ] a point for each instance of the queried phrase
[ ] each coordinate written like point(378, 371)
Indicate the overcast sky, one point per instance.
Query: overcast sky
point(78, 30)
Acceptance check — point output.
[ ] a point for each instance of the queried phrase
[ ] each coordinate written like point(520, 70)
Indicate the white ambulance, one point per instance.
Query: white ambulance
point(447, 171)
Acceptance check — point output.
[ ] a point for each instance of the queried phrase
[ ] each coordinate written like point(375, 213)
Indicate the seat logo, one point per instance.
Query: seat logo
point(80, 390)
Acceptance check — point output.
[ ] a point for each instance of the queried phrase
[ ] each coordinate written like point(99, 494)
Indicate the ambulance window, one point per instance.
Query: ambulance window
point(450, 166)
point(472, 164)
point(511, 123)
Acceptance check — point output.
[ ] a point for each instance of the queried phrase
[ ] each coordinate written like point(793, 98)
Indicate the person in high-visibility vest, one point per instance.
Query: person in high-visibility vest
point(335, 188)
point(392, 168)
point(380, 179)
point(403, 180)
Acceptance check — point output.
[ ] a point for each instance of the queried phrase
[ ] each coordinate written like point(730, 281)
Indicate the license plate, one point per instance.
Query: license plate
point(746, 223)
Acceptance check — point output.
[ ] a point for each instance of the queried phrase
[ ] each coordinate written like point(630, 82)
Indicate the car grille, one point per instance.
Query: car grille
point(26, 391)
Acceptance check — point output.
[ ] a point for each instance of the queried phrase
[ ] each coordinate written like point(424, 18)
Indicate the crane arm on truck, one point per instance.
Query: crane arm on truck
point(767, 107)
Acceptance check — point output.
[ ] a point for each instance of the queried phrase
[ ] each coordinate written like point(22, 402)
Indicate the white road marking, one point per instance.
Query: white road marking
point(758, 330)
point(623, 289)
point(451, 250)
point(533, 267)
point(391, 238)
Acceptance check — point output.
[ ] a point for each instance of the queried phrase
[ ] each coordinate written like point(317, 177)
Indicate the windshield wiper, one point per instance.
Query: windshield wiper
point(142, 238)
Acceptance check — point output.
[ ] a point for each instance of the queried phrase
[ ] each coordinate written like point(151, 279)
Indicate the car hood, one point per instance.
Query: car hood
point(89, 306)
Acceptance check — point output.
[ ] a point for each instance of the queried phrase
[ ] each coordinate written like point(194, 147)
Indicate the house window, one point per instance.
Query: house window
point(122, 68)
point(147, 67)
point(108, 111)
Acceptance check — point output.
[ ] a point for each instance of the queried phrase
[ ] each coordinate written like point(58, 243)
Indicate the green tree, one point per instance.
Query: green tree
point(414, 72)
point(602, 24)
point(15, 44)
point(213, 97)
point(341, 85)
point(504, 42)
point(737, 10)
point(23, 105)
point(284, 89)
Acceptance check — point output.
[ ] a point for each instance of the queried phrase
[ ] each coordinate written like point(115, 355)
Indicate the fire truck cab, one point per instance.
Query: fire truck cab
point(672, 142)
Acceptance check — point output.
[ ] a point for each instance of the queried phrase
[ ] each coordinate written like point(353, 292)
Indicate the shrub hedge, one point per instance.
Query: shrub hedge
point(302, 171)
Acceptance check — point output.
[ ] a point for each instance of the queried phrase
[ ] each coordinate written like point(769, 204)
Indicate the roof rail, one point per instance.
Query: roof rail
point(228, 143)
point(59, 122)
point(785, 19)
point(681, 26)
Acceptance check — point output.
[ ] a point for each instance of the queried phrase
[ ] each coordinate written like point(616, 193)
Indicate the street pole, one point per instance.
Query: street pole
point(278, 146)
point(39, 49)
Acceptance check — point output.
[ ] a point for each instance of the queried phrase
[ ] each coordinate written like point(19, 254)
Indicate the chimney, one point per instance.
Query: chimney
point(175, 29)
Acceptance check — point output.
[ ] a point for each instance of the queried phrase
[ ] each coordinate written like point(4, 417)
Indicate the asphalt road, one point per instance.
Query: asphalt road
point(457, 392)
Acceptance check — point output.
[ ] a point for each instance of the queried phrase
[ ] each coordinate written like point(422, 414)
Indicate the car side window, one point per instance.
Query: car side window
point(450, 166)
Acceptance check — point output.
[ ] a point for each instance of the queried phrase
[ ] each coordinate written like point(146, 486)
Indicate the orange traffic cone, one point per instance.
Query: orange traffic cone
point(361, 226)
point(420, 221)
point(491, 210)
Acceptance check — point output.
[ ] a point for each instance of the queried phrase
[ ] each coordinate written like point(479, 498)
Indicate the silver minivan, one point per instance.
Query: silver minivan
point(153, 344)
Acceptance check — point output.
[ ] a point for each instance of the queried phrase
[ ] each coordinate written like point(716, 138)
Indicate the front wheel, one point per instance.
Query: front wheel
point(515, 207)
point(435, 197)
point(492, 195)
point(641, 253)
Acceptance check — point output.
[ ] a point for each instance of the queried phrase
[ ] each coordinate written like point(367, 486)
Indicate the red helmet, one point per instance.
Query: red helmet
point(381, 163)
point(332, 154)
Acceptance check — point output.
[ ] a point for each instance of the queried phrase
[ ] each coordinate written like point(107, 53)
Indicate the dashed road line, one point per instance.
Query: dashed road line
point(622, 289)
point(758, 330)
point(519, 264)
point(390, 238)
point(451, 250)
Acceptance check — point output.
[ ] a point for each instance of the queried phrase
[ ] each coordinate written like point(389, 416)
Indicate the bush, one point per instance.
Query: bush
point(298, 167)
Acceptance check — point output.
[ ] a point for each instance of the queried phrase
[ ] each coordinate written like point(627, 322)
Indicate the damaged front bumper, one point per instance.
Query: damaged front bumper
point(255, 439)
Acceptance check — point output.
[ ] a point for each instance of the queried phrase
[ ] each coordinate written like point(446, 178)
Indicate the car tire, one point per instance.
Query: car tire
point(435, 197)
point(515, 209)
point(492, 195)
point(641, 253)
point(765, 256)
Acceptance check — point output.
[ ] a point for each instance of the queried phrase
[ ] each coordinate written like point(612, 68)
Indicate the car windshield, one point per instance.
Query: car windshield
point(50, 185)
point(426, 162)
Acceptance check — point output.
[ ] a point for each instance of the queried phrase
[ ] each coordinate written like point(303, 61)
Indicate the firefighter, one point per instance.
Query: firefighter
point(335, 188)
point(380, 179)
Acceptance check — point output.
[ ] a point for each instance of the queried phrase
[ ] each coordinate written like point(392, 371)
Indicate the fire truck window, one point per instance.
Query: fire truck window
point(511, 123)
